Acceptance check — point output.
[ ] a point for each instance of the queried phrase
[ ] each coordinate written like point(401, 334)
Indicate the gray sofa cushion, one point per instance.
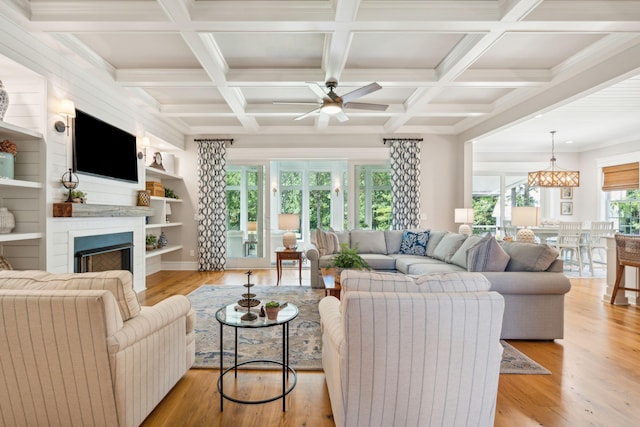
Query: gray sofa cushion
point(369, 241)
point(393, 239)
point(434, 239)
point(528, 256)
point(379, 261)
point(460, 257)
point(487, 255)
point(344, 237)
point(428, 268)
point(448, 246)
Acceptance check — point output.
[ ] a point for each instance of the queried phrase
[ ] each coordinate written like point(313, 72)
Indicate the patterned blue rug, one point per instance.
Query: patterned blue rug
point(305, 340)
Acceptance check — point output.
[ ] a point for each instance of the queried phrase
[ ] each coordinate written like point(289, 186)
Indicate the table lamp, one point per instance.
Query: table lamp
point(289, 223)
point(464, 216)
point(252, 227)
point(525, 216)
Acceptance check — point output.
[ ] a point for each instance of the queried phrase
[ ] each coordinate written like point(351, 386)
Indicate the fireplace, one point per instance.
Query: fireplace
point(103, 252)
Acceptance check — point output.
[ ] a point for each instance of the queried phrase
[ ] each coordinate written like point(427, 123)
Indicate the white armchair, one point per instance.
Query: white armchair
point(79, 350)
point(412, 354)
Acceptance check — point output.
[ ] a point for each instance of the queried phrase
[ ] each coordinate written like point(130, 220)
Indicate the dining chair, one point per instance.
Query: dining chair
point(627, 254)
point(595, 242)
point(568, 243)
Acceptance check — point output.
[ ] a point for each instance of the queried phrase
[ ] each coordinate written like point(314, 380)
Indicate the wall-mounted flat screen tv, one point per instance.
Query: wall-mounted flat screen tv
point(103, 150)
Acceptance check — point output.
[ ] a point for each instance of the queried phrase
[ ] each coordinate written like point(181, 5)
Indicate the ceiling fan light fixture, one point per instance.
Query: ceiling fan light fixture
point(330, 107)
point(554, 176)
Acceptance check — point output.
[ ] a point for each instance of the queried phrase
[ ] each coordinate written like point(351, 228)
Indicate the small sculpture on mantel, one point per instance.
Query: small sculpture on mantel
point(70, 181)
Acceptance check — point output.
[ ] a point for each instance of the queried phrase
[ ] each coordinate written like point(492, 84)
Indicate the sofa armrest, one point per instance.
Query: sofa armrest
point(528, 282)
point(312, 253)
point(150, 320)
point(331, 320)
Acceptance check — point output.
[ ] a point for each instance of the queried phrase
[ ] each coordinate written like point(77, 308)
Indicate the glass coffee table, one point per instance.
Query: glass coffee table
point(228, 316)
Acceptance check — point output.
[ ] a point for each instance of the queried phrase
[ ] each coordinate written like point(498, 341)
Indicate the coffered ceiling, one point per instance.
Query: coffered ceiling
point(502, 72)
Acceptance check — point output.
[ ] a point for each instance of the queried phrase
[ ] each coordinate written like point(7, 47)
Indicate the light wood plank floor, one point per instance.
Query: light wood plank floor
point(595, 378)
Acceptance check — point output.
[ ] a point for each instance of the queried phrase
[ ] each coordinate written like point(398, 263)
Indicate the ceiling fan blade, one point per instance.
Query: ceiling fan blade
point(295, 103)
point(365, 90)
point(366, 106)
point(305, 115)
point(341, 116)
point(317, 89)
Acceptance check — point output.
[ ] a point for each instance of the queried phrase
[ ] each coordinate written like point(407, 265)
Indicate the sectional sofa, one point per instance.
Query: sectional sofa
point(529, 276)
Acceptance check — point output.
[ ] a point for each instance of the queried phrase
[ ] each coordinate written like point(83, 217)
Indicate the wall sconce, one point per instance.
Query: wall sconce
point(274, 189)
point(66, 108)
point(337, 190)
point(145, 144)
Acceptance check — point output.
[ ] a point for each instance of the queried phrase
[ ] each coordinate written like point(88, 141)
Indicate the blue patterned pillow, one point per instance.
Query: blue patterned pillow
point(414, 242)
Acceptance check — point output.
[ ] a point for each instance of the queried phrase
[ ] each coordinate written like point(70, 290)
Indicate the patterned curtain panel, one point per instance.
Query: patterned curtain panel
point(212, 204)
point(405, 183)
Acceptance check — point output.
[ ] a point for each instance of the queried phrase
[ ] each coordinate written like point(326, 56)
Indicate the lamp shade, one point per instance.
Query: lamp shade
point(525, 216)
point(252, 226)
point(463, 216)
point(288, 222)
point(66, 108)
point(168, 211)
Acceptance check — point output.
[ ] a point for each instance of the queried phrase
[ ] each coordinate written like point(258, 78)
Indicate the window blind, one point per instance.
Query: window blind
point(621, 177)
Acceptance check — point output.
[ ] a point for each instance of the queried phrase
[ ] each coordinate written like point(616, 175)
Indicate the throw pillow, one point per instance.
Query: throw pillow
point(448, 246)
point(326, 242)
point(529, 257)
point(414, 242)
point(487, 255)
point(369, 241)
point(434, 239)
point(460, 257)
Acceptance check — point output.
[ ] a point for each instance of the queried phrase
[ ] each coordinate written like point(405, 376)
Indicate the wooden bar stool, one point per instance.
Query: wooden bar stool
point(627, 254)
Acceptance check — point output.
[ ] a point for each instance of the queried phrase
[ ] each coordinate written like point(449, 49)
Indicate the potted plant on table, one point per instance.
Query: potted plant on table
point(348, 258)
point(78, 196)
point(272, 308)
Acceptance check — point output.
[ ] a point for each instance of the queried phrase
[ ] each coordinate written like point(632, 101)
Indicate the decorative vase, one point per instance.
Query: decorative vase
point(162, 240)
point(7, 161)
point(7, 221)
point(4, 100)
point(272, 313)
point(144, 198)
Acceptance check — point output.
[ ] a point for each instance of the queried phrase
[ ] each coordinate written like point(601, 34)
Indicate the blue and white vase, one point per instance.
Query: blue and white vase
point(4, 100)
point(162, 240)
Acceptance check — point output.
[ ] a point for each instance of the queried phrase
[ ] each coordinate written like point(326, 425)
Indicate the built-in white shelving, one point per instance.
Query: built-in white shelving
point(161, 251)
point(14, 237)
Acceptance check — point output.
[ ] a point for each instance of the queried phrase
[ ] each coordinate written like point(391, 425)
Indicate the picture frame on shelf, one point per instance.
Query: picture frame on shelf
point(566, 208)
point(566, 193)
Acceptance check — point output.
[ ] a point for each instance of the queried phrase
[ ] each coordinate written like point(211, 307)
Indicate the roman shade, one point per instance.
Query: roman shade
point(621, 177)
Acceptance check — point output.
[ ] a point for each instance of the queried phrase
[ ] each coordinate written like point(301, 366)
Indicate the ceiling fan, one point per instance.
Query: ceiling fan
point(334, 104)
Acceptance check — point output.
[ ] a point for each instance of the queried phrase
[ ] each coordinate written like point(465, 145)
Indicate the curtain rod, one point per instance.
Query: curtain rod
point(229, 140)
point(384, 141)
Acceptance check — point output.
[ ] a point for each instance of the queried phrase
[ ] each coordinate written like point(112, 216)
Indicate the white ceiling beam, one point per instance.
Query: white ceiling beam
point(162, 77)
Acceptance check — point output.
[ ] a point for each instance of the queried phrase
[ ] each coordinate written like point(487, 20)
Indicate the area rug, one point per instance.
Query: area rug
point(305, 343)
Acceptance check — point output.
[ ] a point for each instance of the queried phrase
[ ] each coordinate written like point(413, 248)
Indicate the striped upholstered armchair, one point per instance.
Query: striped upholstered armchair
point(412, 351)
point(78, 349)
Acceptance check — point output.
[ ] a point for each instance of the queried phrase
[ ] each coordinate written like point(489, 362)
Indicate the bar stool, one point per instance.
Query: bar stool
point(627, 254)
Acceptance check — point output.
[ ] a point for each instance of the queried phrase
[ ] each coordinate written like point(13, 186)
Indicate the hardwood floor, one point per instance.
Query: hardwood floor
point(595, 378)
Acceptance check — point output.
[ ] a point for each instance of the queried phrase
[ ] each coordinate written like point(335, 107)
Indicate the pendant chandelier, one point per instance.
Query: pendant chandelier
point(554, 176)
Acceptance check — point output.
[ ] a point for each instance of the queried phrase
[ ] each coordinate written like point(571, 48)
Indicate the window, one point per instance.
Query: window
point(244, 205)
point(319, 200)
point(374, 197)
point(624, 210)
